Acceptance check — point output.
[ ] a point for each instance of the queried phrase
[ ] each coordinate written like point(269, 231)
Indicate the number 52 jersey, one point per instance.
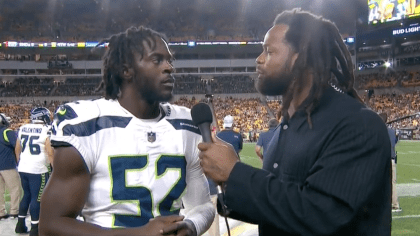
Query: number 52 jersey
point(139, 169)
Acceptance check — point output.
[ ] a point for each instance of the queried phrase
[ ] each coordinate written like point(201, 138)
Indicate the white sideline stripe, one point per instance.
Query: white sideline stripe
point(408, 164)
point(408, 216)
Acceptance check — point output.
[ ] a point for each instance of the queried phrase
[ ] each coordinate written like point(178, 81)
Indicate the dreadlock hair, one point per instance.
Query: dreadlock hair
point(322, 53)
point(120, 52)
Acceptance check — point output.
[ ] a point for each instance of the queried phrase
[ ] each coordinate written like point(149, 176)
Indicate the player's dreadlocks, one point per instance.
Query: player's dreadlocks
point(120, 51)
point(322, 52)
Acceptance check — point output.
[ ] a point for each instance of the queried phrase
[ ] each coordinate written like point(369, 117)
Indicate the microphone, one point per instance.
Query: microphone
point(202, 117)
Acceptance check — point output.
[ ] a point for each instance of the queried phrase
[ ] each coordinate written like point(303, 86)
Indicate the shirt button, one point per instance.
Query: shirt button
point(275, 165)
point(285, 127)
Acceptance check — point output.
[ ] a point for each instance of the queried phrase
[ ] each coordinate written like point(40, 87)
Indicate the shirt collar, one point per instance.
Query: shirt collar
point(300, 116)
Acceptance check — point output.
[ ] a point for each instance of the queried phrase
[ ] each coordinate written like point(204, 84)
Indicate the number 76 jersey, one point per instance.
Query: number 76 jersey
point(33, 158)
point(139, 169)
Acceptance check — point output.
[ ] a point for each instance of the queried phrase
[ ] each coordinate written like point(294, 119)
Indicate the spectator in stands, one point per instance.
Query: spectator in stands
point(394, 139)
point(8, 174)
point(265, 138)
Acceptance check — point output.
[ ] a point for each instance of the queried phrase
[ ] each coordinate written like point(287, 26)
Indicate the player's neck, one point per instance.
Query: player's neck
point(140, 108)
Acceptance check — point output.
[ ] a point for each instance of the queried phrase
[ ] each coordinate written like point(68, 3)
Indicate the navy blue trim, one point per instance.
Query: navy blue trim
point(69, 114)
point(184, 124)
point(56, 144)
point(90, 127)
point(163, 113)
point(59, 144)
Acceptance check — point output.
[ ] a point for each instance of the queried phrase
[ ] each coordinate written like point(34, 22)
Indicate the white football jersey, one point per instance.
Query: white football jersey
point(33, 158)
point(139, 169)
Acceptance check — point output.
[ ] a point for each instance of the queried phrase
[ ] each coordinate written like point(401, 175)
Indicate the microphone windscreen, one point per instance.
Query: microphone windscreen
point(201, 113)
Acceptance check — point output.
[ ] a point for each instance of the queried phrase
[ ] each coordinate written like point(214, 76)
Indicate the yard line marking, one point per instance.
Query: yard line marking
point(408, 164)
point(407, 216)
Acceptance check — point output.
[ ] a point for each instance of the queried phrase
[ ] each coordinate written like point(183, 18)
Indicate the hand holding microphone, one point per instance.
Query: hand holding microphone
point(217, 157)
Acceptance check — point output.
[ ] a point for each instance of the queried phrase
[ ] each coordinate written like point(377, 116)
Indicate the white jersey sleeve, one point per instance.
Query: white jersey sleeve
point(197, 202)
point(73, 125)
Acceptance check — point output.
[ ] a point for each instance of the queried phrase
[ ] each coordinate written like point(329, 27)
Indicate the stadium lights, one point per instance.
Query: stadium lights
point(350, 40)
point(191, 43)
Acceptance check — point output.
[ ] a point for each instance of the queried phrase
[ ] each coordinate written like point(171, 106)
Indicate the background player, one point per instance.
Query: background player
point(229, 135)
point(265, 138)
point(393, 138)
point(8, 175)
point(34, 155)
point(126, 158)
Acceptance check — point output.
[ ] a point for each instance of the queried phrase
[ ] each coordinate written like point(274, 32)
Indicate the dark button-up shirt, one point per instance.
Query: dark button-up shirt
point(333, 179)
point(7, 149)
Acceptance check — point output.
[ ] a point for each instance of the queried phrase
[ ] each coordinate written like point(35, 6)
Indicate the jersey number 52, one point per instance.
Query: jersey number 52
point(141, 195)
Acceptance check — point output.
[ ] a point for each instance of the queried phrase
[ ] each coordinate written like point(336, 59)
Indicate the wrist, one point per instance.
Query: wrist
point(191, 225)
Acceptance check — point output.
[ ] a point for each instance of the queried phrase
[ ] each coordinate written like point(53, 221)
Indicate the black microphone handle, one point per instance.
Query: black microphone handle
point(205, 132)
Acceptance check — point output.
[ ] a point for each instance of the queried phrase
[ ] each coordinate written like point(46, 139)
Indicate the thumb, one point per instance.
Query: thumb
point(216, 139)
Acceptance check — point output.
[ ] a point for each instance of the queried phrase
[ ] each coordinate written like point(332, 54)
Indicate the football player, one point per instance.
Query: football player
point(8, 174)
point(34, 155)
point(129, 160)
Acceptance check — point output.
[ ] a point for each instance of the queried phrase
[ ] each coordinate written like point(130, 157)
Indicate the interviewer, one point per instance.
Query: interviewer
point(326, 171)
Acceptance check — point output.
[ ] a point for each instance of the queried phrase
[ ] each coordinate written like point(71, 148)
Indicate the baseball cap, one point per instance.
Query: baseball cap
point(228, 121)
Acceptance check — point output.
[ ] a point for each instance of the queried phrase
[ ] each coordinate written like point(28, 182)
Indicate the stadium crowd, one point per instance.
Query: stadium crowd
point(387, 80)
point(185, 84)
point(194, 84)
point(182, 21)
point(397, 106)
point(252, 115)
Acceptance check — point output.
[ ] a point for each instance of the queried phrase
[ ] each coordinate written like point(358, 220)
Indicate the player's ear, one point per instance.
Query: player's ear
point(128, 72)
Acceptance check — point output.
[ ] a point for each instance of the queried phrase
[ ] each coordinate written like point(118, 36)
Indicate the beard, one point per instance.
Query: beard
point(274, 85)
point(278, 82)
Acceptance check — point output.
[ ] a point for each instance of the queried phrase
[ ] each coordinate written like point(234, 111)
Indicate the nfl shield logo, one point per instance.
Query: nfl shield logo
point(151, 137)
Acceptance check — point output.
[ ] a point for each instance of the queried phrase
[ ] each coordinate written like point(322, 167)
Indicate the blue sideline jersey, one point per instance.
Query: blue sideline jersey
point(394, 140)
point(7, 149)
point(264, 139)
point(231, 137)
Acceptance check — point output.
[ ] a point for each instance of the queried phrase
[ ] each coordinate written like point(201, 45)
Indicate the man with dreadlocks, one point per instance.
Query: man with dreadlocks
point(127, 161)
point(324, 172)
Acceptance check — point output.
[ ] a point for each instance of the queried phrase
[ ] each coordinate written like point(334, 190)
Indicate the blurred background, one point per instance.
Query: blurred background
point(46, 57)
